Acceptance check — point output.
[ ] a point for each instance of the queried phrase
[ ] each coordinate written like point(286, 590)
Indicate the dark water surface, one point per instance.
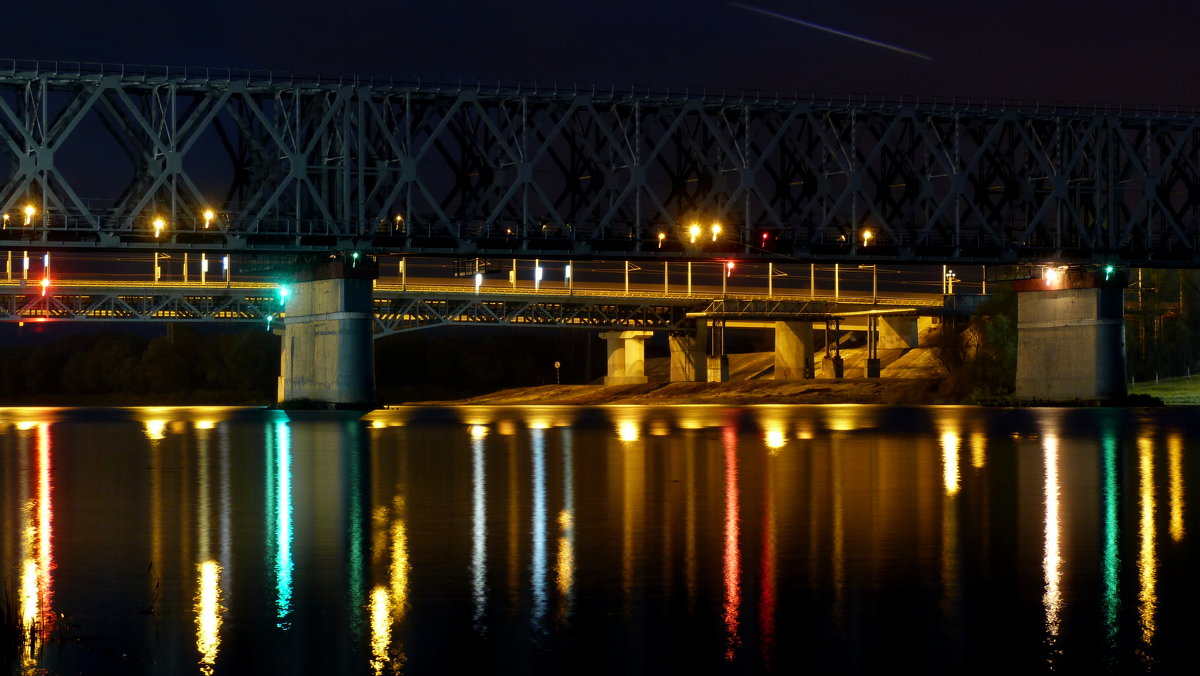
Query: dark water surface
point(814, 539)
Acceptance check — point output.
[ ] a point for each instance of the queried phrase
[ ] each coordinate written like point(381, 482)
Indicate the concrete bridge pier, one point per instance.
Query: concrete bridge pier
point(898, 333)
point(626, 357)
point(793, 350)
point(327, 357)
point(689, 354)
point(1071, 337)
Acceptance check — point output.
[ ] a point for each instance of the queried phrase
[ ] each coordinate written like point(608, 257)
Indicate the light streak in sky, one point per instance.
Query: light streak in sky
point(832, 31)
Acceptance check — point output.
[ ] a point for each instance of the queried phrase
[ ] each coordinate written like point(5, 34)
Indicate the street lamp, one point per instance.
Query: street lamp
point(716, 230)
point(694, 231)
point(950, 277)
point(661, 237)
point(29, 212)
point(867, 235)
point(209, 216)
point(158, 224)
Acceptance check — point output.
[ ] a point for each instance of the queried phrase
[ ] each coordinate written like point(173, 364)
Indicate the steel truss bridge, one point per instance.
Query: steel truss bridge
point(397, 310)
point(105, 157)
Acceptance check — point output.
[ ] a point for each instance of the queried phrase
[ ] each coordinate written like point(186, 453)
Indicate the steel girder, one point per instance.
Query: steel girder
point(294, 165)
point(136, 303)
point(396, 313)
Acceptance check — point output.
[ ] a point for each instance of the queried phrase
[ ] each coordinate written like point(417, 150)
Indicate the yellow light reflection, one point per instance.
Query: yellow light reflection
point(205, 424)
point(478, 431)
point(1175, 469)
point(978, 450)
point(208, 614)
point(660, 428)
point(26, 425)
point(564, 566)
point(29, 594)
point(950, 475)
point(156, 430)
point(399, 567)
point(1147, 558)
point(628, 431)
point(1052, 554)
point(776, 439)
point(381, 628)
point(843, 418)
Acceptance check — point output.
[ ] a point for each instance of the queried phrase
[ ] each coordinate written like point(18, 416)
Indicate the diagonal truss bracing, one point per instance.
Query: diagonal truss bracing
point(136, 303)
point(399, 312)
point(288, 164)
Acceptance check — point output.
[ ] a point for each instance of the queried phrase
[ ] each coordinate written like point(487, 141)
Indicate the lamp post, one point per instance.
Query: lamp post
point(950, 277)
point(867, 235)
point(874, 281)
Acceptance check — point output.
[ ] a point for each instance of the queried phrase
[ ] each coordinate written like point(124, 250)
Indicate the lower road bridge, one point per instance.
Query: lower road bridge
point(329, 313)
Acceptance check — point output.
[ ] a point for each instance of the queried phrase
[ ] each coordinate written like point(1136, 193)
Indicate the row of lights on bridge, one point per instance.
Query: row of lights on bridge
point(158, 223)
point(29, 210)
point(695, 230)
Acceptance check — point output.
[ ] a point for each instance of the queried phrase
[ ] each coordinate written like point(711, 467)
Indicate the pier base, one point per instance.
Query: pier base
point(1070, 343)
point(793, 350)
point(328, 357)
point(626, 357)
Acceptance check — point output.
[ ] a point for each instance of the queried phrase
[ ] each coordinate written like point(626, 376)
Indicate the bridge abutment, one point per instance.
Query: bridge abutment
point(327, 357)
point(626, 357)
point(1070, 338)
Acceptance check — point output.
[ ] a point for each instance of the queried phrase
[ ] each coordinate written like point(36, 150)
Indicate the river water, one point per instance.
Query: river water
point(822, 539)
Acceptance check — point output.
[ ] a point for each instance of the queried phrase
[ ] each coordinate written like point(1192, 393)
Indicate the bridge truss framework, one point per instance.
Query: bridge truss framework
point(299, 165)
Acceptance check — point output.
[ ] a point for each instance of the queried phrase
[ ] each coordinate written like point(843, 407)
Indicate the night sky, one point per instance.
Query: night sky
point(1072, 51)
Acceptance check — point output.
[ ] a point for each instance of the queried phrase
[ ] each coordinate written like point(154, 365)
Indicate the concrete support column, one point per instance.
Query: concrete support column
point(897, 333)
point(688, 354)
point(328, 357)
point(626, 357)
point(793, 350)
point(718, 368)
point(1070, 343)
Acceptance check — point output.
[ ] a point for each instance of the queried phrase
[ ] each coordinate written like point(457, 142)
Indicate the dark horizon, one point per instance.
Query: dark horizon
point(1069, 52)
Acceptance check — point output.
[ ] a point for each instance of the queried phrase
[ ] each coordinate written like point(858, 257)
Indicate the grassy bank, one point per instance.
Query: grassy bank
point(1172, 391)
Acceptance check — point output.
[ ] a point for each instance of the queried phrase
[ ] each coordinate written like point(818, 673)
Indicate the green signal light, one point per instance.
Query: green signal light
point(1108, 271)
point(283, 294)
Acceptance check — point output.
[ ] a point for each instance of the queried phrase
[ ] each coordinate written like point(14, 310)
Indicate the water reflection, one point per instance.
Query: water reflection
point(279, 506)
point(565, 561)
point(1052, 564)
point(610, 539)
point(1147, 562)
point(1175, 468)
point(478, 525)
point(1111, 562)
point(732, 553)
point(537, 535)
point(208, 614)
